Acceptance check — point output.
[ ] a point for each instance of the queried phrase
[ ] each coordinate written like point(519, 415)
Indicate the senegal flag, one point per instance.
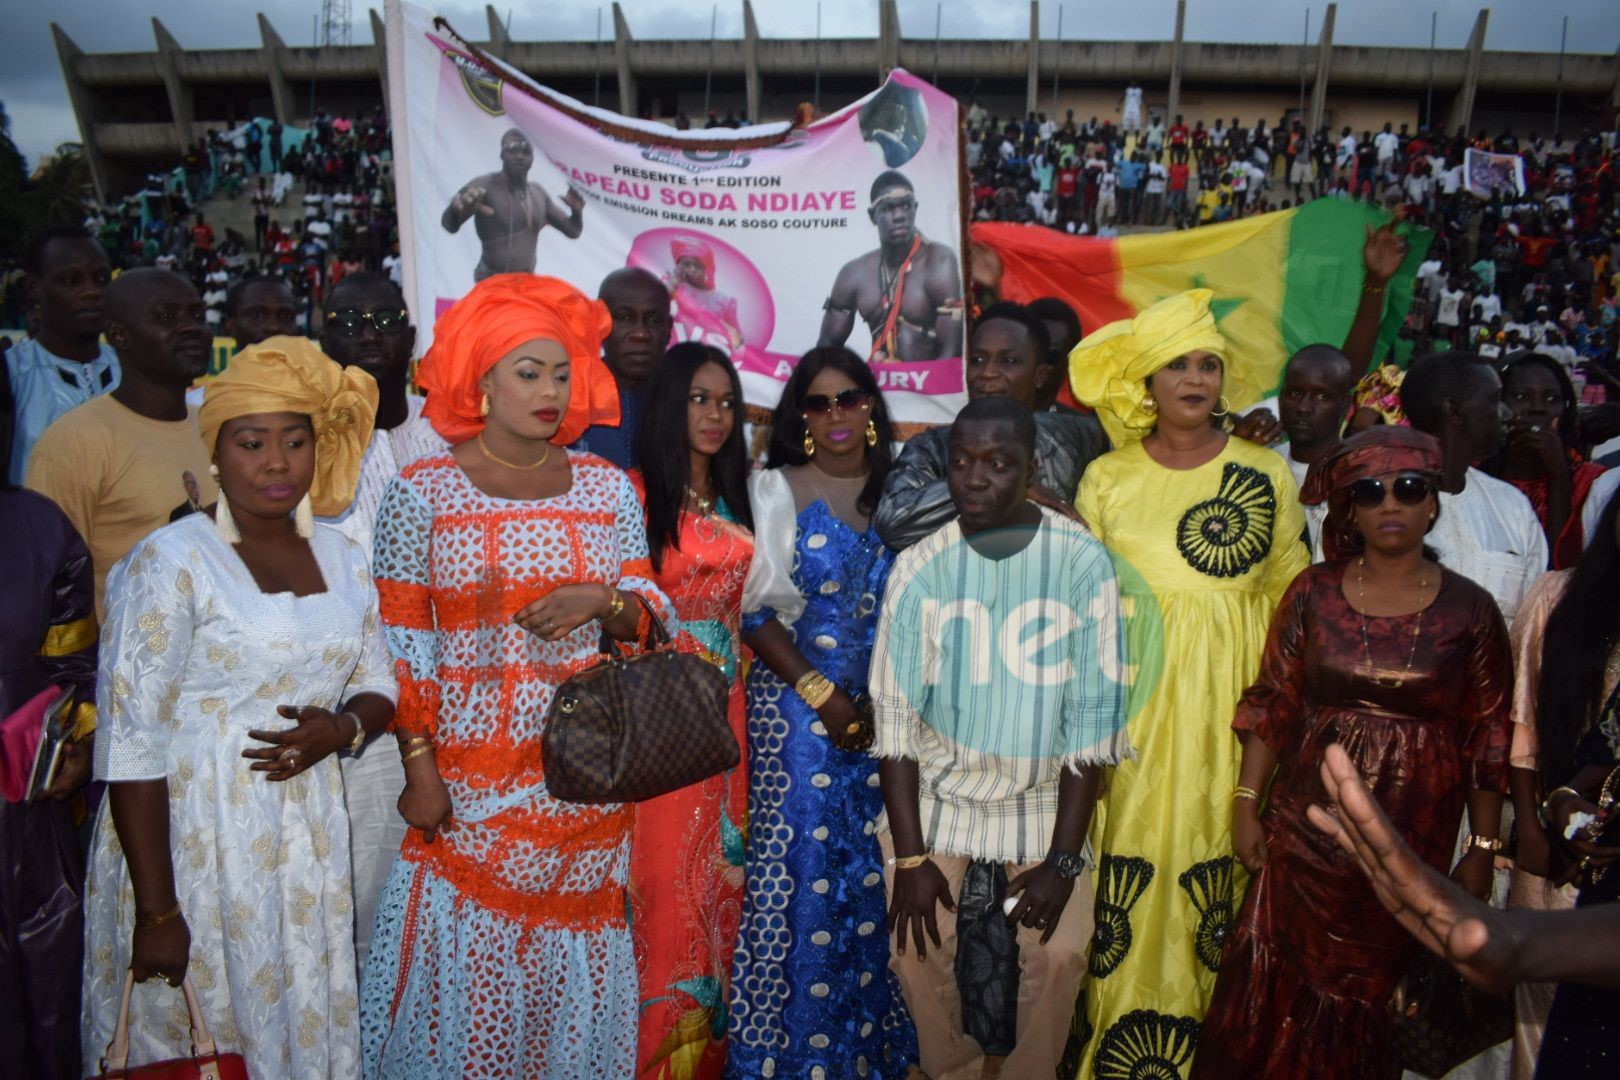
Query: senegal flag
point(1281, 281)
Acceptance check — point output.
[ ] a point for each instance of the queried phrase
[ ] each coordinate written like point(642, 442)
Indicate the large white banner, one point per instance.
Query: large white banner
point(772, 239)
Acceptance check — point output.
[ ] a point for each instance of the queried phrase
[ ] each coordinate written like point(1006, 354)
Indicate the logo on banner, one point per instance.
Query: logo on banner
point(698, 160)
point(481, 86)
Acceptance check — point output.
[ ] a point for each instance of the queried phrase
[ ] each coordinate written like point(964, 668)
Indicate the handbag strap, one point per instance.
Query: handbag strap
point(202, 1042)
point(657, 632)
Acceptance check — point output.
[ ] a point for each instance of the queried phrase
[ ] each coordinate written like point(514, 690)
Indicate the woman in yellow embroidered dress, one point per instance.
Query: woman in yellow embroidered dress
point(1205, 531)
point(500, 946)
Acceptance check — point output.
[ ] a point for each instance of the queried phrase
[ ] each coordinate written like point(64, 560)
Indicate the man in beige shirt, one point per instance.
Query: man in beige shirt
point(118, 465)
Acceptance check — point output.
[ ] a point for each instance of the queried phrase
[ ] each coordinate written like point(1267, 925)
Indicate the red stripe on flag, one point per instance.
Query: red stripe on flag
point(1036, 261)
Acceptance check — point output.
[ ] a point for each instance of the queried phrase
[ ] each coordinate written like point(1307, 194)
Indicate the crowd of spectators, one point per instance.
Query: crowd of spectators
point(1519, 269)
point(344, 220)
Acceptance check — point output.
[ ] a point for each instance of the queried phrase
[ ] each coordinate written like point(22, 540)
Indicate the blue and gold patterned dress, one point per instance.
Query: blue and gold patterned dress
point(812, 995)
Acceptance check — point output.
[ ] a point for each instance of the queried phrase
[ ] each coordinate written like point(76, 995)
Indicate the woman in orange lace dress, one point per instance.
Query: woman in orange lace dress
point(500, 946)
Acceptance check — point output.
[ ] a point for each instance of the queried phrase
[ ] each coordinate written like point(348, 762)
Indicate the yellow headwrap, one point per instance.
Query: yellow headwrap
point(290, 374)
point(1109, 368)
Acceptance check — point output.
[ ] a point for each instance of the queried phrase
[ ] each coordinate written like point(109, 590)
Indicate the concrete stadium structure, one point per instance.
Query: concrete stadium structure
point(137, 109)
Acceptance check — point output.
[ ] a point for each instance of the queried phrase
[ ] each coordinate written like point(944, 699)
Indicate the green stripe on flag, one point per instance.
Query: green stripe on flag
point(1325, 272)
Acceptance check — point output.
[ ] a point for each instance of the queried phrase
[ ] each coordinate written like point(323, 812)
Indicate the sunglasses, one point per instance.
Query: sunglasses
point(846, 401)
point(351, 321)
point(1410, 489)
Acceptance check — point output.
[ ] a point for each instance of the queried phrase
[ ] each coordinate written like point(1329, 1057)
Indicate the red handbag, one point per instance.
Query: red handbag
point(205, 1062)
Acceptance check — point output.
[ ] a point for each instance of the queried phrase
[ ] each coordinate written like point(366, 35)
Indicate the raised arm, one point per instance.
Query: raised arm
point(1381, 258)
point(572, 223)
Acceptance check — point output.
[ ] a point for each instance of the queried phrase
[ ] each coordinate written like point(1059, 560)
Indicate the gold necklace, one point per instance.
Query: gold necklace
point(1389, 681)
point(511, 465)
point(705, 506)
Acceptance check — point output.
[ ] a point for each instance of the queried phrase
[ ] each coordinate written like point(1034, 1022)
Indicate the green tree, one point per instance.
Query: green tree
point(13, 185)
point(54, 195)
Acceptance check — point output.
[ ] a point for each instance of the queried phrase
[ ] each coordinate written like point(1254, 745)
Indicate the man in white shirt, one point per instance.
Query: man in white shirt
point(1386, 142)
point(368, 327)
point(1487, 530)
point(1448, 310)
point(1107, 187)
point(1318, 386)
point(66, 364)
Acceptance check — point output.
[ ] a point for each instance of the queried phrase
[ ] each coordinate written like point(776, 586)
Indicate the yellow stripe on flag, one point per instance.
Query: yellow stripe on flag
point(1244, 263)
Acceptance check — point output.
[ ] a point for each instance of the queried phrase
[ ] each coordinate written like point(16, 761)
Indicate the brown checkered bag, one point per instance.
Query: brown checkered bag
point(633, 727)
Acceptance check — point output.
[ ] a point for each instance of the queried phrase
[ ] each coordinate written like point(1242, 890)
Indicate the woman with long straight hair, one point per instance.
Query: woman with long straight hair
point(812, 994)
point(686, 851)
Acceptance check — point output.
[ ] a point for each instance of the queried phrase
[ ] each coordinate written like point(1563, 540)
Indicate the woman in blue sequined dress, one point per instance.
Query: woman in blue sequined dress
point(812, 995)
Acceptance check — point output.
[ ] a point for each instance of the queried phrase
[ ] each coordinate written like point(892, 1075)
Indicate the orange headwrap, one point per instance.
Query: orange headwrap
point(498, 315)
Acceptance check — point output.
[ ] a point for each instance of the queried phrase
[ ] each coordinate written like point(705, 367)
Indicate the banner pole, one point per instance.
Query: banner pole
point(708, 77)
point(818, 57)
point(596, 89)
point(1057, 63)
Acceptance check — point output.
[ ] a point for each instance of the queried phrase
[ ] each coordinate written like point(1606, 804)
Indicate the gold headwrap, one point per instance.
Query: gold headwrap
point(290, 374)
point(1109, 368)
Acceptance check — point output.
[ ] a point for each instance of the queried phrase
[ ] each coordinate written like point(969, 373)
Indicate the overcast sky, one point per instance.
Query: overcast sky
point(36, 99)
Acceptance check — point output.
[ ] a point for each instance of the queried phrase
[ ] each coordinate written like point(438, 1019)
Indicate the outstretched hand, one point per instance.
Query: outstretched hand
point(1472, 937)
point(1383, 252)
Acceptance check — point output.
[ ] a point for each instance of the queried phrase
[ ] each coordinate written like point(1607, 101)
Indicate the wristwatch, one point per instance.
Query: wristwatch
point(1068, 864)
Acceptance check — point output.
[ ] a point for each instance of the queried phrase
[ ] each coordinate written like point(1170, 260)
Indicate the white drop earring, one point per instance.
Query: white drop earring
point(224, 523)
point(304, 518)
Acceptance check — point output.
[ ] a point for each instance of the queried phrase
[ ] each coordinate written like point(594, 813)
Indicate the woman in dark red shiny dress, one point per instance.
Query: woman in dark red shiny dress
point(1408, 666)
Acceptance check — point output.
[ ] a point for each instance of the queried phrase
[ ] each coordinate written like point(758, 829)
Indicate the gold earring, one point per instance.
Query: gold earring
point(809, 444)
point(483, 406)
point(1149, 405)
point(871, 432)
point(1224, 407)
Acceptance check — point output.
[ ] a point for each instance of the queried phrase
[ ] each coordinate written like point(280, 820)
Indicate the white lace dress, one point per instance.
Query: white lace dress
point(193, 656)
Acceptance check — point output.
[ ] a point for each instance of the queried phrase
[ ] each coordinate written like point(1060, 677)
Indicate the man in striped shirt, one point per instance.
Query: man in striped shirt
point(998, 679)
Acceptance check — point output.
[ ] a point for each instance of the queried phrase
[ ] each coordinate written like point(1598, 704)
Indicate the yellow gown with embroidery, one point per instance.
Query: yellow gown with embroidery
point(1203, 556)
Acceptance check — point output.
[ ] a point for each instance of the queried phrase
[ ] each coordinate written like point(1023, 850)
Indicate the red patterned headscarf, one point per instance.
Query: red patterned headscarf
point(1378, 451)
point(498, 315)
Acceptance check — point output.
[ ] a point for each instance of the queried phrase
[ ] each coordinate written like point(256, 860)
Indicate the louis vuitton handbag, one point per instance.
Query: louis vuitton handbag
point(633, 727)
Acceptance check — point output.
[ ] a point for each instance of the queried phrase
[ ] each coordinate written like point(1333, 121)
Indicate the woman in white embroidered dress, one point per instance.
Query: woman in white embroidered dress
point(222, 849)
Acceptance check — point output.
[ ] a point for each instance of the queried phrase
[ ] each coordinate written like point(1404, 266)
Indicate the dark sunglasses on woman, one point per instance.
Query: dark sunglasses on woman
point(350, 322)
point(1410, 489)
point(846, 400)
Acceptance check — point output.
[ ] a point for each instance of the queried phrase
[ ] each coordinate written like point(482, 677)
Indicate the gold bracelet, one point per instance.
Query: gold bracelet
point(909, 862)
point(418, 752)
point(406, 744)
point(1241, 792)
point(1376, 290)
point(1487, 843)
point(814, 688)
point(615, 605)
point(149, 921)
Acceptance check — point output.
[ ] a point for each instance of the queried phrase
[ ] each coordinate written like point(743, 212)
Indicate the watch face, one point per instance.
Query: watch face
point(1068, 863)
